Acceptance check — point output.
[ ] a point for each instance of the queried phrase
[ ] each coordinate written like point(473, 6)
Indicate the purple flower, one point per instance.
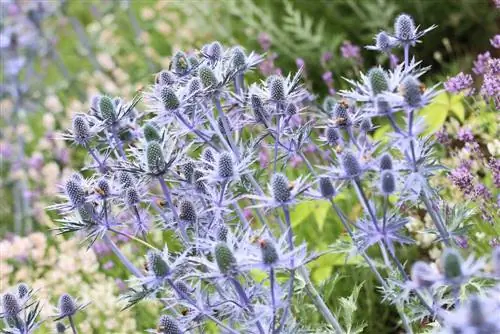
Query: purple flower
point(462, 178)
point(300, 63)
point(458, 83)
point(327, 77)
point(465, 135)
point(495, 41)
point(350, 50)
point(264, 41)
point(481, 62)
point(442, 137)
point(494, 165)
point(326, 57)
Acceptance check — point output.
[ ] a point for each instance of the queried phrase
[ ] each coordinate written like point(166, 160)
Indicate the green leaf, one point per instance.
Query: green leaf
point(457, 107)
point(435, 113)
point(321, 212)
point(301, 212)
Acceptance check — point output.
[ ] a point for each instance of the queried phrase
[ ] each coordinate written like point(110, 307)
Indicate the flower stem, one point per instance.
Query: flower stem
point(72, 324)
point(244, 298)
point(131, 237)
point(107, 240)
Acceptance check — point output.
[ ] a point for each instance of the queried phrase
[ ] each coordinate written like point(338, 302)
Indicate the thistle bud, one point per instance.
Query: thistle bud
point(421, 274)
point(154, 158)
point(151, 132)
point(207, 76)
point(276, 88)
point(107, 109)
point(215, 51)
point(187, 211)
point(386, 162)
point(22, 290)
point(156, 264)
point(103, 187)
point(225, 165)
point(81, 130)
point(387, 182)
point(326, 187)
point(126, 180)
point(269, 252)
point(238, 58)
point(60, 328)
point(382, 106)
point(350, 164)
point(188, 170)
point(10, 305)
point(165, 78)
point(168, 325)
point(332, 136)
point(341, 115)
point(132, 197)
point(404, 28)
point(411, 92)
point(169, 98)
point(452, 263)
point(222, 232)
point(180, 63)
point(194, 85)
point(383, 41)
point(329, 104)
point(378, 80)
point(224, 258)
point(74, 191)
point(67, 305)
point(280, 188)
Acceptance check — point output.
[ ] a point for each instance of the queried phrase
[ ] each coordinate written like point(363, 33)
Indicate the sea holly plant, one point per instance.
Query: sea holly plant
point(185, 163)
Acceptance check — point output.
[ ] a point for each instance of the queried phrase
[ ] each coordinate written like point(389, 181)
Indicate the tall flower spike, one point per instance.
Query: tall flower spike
point(151, 132)
point(156, 264)
point(224, 257)
point(107, 109)
point(10, 305)
point(154, 158)
point(74, 191)
point(269, 252)
point(452, 263)
point(350, 164)
point(280, 188)
point(225, 165)
point(168, 325)
point(81, 130)
point(326, 187)
point(66, 306)
point(169, 98)
point(411, 90)
point(404, 28)
point(207, 76)
point(378, 80)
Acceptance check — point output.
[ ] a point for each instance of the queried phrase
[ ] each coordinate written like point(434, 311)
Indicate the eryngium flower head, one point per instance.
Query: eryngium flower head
point(404, 28)
point(156, 264)
point(258, 108)
point(238, 58)
point(180, 63)
point(165, 78)
point(422, 274)
point(103, 187)
point(225, 166)
point(383, 41)
point(126, 179)
point(188, 170)
point(187, 211)
point(386, 162)
point(154, 158)
point(350, 164)
point(207, 76)
point(222, 233)
point(194, 85)
point(22, 290)
point(326, 187)
point(193, 61)
point(199, 183)
point(81, 130)
point(269, 252)
point(224, 257)
point(387, 182)
point(107, 109)
point(280, 188)
point(451, 261)
point(66, 305)
point(332, 136)
point(168, 325)
point(378, 80)
point(329, 104)
point(411, 90)
point(340, 114)
point(276, 87)
point(132, 197)
point(60, 328)
point(10, 305)
point(366, 125)
point(182, 287)
point(169, 98)
point(215, 51)
point(151, 132)
point(208, 155)
point(75, 192)
point(382, 106)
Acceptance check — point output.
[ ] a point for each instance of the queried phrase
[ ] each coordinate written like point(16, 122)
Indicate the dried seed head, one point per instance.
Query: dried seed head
point(151, 132)
point(157, 265)
point(382, 106)
point(383, 41)
point(107, 109)
point(194, 85)
point(387, 182)
point(222, 232)
point(154, 158)
point(207, 76)
point(169, 98)
point(412, 92)
point(350, 163)
point(276, 87)
point(326, 187)
point(378, 80)
point(103, 187)
point(225, 165)
point(341, 115)
point(132, 197)
point(165, 78)
point(386, 162)
point(180, 63)
point(60, 328)
point(280, 188)
point(238, 58)
point(74, 191)
point(224, 258)
point(452, 263)
point(188, 170)
point(81, 130)
point(332, 136)
point(421, 274)
point(215, 51)
point(126, 179)
point(67, 305)
point(269, 252)
point(168, 325)
point(187, 211)
point(329, 104)
point(22, 290)
point(10, 305)
point(404, 28)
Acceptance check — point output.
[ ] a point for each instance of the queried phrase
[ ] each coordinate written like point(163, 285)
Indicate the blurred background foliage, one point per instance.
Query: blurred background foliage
point(116, 47)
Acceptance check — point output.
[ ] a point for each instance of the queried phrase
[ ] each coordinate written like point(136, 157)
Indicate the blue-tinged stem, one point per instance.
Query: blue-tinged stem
point(225, 124)
point(118, 142)
point(170, 203)
point(244, 298)
point(273, 299)
point(107, 240)
point(276, 143)
point(407, 55)
point(72, 324)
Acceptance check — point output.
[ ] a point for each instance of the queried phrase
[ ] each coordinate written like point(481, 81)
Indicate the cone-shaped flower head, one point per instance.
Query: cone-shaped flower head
point(151, 132)
point(22, 290)
point(188, 170)
point(222, 232)
point(329, 104)
point(387, 182)
point(412, 93)
point(332, 135)
point(366, 125)
point(107, 109)
point(187, 211)
point(194, 85)
point(383, 41)
point(156, 264)
point(81, 130)
point(67, 306)
point(168, 325)
point(341, 115)
point(404, 28)
point(224, 257)
point(452, 263)
point(154, 158)
point(132, 197)
point(75, 192)
point(276, 86)
point(180, 63)
point(378, 80)
point(225, 165)
point(10, 305)
point(103, 187)
point(326, 187)
point(60, 328)
point(238, 58)
point(207, 76)
point(350, 163)
point(269, 252)
point(386, 162)
point(126, 179)
point(215, 51)
point(280, 188)
point(165, 78)
point(169, 98)
point(382, 105)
